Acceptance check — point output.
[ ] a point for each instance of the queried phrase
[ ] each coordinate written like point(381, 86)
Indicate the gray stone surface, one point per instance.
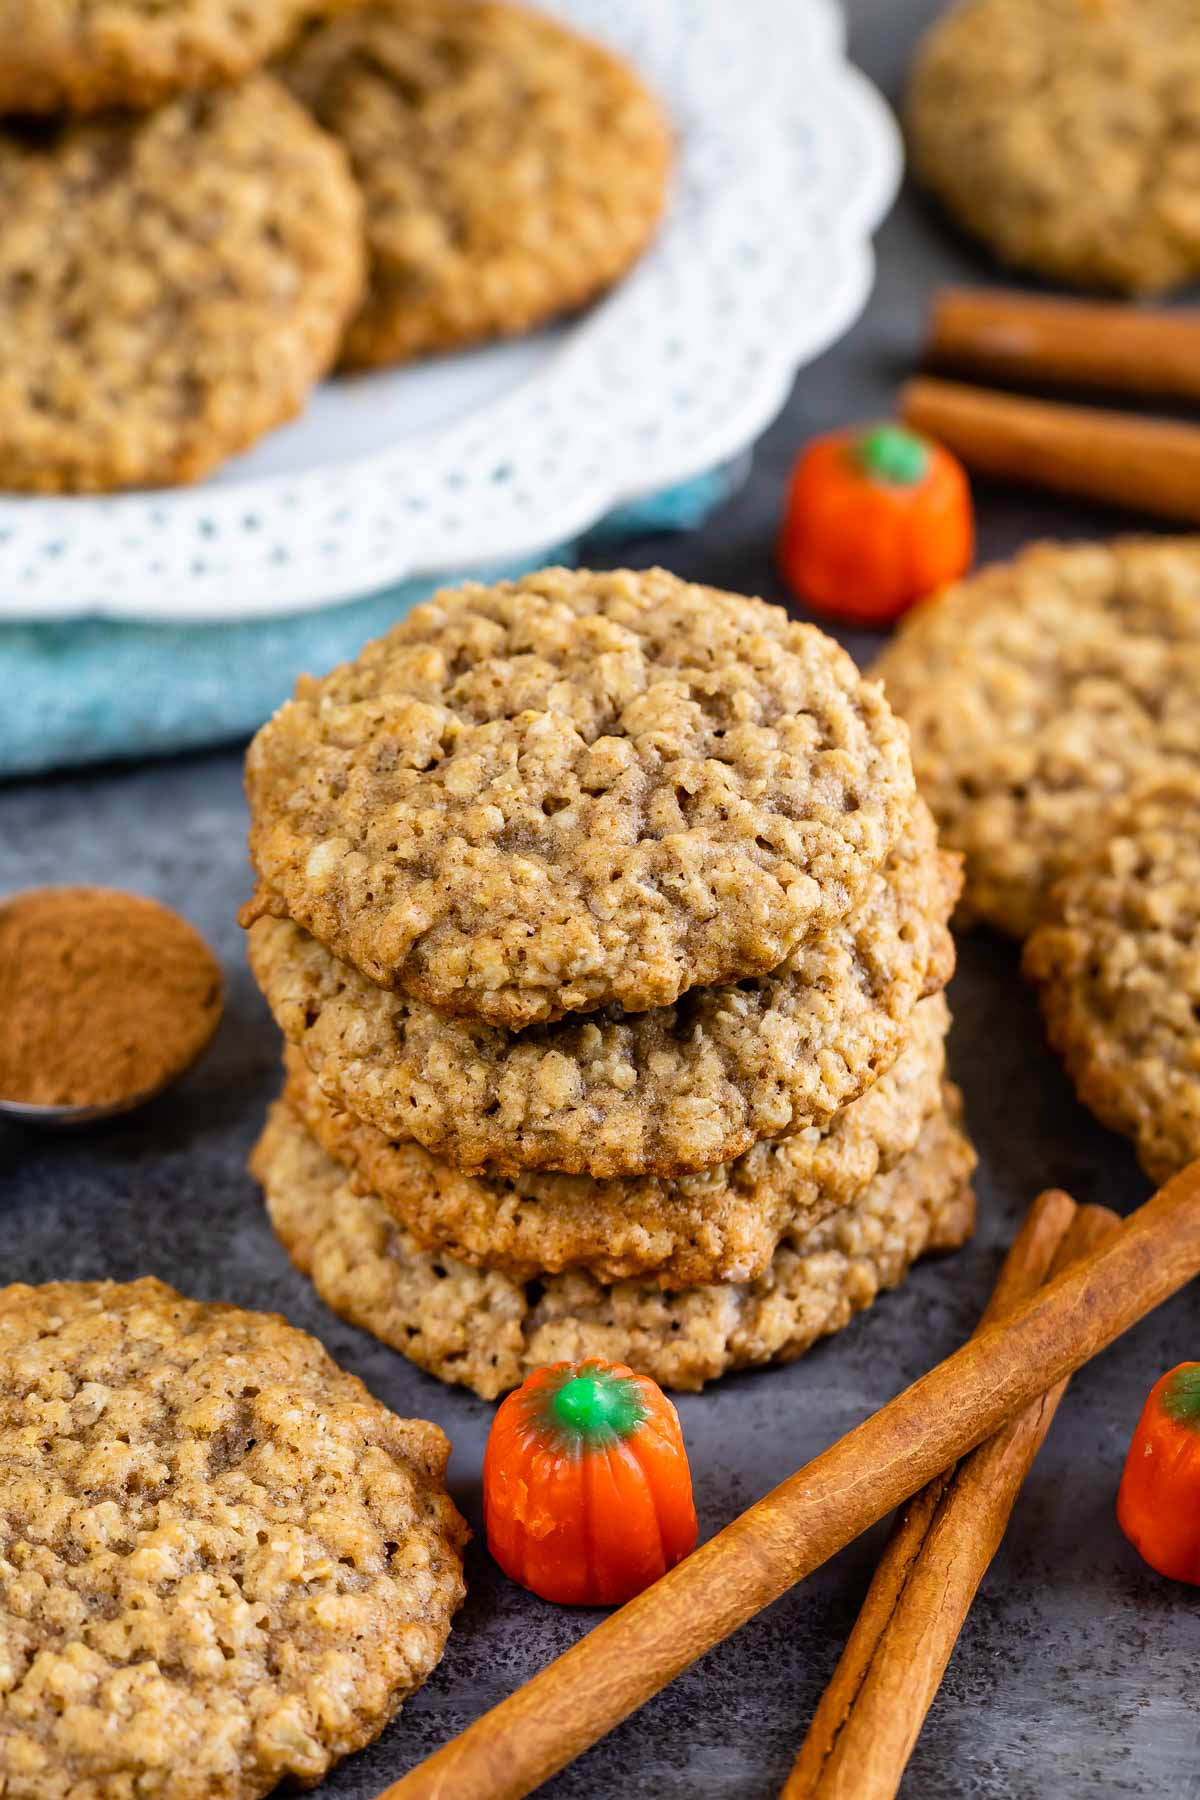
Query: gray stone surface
point(1075, 1675)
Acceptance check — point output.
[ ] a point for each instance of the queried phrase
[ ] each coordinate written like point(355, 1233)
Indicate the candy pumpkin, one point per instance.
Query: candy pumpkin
point(587, 1495)
point(875, 520)
point(1158, 1506)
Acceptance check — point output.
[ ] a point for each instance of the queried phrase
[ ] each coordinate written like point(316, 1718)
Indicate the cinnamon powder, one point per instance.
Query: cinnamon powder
point(104, 996)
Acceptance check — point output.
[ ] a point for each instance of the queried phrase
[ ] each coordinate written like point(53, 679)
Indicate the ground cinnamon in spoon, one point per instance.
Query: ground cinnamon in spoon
point(104, 996)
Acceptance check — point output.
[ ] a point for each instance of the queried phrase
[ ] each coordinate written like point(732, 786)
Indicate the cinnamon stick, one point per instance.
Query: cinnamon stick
point(1151, 465)
point(1007, 336)
point(871, 1714)
point(868, 1473)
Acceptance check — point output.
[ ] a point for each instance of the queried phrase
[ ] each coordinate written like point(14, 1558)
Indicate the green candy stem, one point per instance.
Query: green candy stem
point(1181, 1397)
point(889, 453)
point(596, 1408)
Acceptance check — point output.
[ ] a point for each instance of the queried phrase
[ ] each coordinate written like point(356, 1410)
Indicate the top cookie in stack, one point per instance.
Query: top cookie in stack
point(577, 791)
point(572, 889)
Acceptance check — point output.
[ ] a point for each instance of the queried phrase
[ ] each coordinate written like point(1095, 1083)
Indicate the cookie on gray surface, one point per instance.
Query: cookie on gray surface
point(173, 286)
point(487, 1332)
point(1038, 691)
point(720, 1225)
point(512, 169)
point(576, 790)
point(665, 1092)
point(1116, 959)
point(1066, 134)
point(222, 1563)
point(77, 55)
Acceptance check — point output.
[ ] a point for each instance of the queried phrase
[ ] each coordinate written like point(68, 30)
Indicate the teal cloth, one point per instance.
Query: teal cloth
point(95, 689)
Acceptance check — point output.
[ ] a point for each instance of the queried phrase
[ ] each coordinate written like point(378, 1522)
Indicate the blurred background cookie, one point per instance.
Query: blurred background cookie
point(174, 285)
point(512, 169)
point(1066, 134)
point(77, 55)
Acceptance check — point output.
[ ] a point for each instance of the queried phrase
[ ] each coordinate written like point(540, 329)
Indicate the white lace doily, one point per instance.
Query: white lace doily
point(787, 160)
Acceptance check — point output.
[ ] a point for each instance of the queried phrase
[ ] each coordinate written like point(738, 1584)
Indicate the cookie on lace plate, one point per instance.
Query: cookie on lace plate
point(174, 285)
point(512, 169)
point(77, 55)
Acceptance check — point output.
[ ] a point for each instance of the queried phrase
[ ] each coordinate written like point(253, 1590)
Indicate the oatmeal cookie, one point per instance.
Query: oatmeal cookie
point(222, 1563)
point(512, 169)
point(487, 1331)
point(1066, 134)
point(1116, 958)
point(656, 1093)
point(173, 285)
point(720, 1225)
point(76, 55)
point(1037, 691)
point(576, 790)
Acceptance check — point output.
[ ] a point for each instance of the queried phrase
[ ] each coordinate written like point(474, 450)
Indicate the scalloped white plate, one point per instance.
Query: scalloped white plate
point(787, 161)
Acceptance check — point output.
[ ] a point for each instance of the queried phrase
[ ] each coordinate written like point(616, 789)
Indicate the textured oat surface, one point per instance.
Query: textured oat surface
point(79, 54)
point(1116, 958)
point(1037, 691)
point(487, 1331)
point(511, 169)
point(1066, 133)
point(664, 1092)
point(576, 789)
point(1066, 1591)
point(222, 1563)
point(170, 286)
point(720, 1225)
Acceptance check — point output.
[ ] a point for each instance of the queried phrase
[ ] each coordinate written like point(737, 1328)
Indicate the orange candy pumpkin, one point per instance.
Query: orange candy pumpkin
point(587, 1494)
point(1158, 1506)
point(875, 520)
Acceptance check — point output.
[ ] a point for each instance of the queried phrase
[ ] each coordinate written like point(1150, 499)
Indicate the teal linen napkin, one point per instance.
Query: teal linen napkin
point(95, 689)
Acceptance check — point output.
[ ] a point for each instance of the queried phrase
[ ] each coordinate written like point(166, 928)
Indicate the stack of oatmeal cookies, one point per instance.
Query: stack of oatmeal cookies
point(607, 935)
